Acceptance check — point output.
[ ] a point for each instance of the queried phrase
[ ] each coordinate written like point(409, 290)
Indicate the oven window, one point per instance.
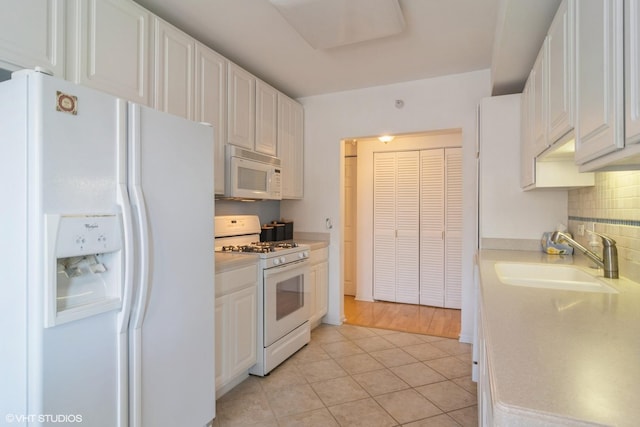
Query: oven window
point(289, 296)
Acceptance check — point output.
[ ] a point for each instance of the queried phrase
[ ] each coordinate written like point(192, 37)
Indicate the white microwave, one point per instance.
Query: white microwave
point(251, 175)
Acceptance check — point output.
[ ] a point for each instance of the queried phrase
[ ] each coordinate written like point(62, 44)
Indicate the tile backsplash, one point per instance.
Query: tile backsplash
point(612, 207)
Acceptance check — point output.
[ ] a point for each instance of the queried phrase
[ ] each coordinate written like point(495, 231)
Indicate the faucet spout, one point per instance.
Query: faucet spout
point(609, 260)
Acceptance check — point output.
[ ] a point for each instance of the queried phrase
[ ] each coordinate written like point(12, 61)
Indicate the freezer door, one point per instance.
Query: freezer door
point(77, 367)
point(172, 324)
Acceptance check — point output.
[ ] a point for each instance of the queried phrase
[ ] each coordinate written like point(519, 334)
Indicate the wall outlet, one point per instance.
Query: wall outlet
point(581, 230)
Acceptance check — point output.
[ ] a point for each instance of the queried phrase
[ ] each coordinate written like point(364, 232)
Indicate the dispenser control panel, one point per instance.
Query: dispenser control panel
point(88, 234)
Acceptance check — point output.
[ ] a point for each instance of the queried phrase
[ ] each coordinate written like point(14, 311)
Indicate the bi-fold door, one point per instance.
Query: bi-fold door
point(418, 227)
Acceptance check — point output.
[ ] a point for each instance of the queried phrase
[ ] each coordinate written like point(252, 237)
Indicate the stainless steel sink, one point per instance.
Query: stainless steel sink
point(550, 276)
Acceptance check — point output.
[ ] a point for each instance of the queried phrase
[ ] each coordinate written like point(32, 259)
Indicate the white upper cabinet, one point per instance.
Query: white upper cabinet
point(110, 47)
point(632, 71)
point(527, 157)
point(290, 146)
point(599, 79)
point(211, 107)
point(540, 93)
point(561, 73)
point(266, 119)
point(241, 96)
point(32, 35)
point(174, 77)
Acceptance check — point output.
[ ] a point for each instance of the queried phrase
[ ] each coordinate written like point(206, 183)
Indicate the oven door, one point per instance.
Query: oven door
point(286, 299)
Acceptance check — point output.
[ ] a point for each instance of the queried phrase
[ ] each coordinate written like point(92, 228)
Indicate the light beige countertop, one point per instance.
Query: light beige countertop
point(561, 357)
point(230, 261)
point(314, 244)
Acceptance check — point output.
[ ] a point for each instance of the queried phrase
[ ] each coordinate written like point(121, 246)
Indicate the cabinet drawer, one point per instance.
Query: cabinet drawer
point(235, 280)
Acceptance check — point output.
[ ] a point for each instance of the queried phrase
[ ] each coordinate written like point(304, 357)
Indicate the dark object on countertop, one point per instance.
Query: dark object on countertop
point(267, 233)
point(278, 231)
point(288, 228)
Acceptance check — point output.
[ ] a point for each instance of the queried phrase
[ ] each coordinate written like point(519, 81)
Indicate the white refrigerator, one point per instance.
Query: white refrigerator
point(106, 260)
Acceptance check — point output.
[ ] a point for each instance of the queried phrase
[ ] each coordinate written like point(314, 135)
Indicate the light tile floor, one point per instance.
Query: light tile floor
point(357, 376)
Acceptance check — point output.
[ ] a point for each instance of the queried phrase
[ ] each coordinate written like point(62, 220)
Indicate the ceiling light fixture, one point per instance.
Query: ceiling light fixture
point(385, 138)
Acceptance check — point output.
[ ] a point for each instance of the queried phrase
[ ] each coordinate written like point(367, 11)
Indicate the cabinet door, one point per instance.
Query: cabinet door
point(561, 58)
point(540, 95)
point(32, 35)
point(432, 225)
point(174, 73)
point(453, 228)
point(222, 338)
point(242, 330)
point(632, 71)
point(211, 107)
point(266, 118)
point(313, 297)
point(241, 95)
point(322, 289)
point(527, 158)
point(110, 40)
point(290, 146)
point(599, 79)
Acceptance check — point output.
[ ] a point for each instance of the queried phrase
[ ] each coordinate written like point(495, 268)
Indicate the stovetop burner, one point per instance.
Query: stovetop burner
point(260, 247)
point(248, 248)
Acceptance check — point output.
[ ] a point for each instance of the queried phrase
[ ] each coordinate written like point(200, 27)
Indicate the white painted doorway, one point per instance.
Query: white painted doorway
point(350, 216)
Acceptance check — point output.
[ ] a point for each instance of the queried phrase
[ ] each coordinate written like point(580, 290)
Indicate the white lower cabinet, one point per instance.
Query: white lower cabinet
point(485, 400)
point(319, 285)
point(236, 325)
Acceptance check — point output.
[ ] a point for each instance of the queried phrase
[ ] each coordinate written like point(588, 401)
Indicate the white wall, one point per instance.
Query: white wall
point(507, 212)
point(448, 102)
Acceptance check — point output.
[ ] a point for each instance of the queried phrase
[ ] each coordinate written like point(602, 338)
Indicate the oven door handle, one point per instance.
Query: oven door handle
point(286, 267)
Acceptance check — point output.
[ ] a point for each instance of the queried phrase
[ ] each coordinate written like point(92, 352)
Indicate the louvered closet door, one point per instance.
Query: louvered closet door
point(396, 226)
point(432, 207)
point(408, 227)
point(384, 226)
point(453, 229)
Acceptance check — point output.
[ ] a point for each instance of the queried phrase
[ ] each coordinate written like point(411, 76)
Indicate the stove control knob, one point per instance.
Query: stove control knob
point(303, 255)
point(276, 261)
point(282, 260)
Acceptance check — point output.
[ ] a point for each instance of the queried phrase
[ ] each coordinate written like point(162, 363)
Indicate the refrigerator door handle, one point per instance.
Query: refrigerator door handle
point(122, 199)
point(142, 223)
point(127, 292)
point(137, 316)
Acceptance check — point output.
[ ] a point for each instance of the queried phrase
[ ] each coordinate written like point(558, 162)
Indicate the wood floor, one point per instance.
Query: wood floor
point(442, 322)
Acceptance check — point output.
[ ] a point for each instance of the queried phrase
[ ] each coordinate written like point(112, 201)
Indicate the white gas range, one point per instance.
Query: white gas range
point(283, 294)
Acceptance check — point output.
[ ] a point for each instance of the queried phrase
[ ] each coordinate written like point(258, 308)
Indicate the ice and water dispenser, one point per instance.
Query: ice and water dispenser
point(84, 266)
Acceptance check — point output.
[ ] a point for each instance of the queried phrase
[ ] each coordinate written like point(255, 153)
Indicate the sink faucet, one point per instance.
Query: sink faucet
point(609, 260)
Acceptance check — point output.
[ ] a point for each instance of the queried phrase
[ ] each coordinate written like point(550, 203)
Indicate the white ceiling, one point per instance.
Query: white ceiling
point(441, 37)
